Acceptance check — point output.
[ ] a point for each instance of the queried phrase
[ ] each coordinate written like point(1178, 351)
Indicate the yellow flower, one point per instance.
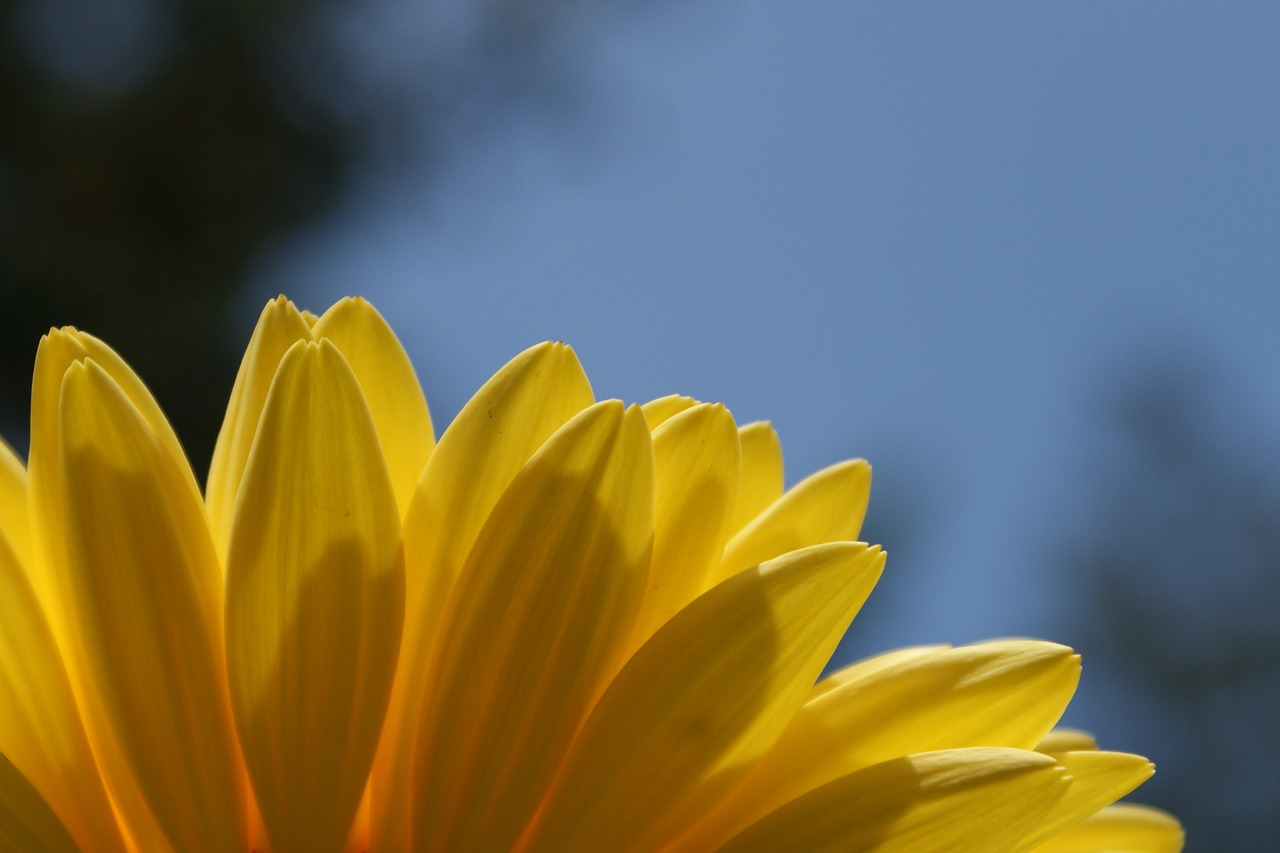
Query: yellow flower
point(569, 626)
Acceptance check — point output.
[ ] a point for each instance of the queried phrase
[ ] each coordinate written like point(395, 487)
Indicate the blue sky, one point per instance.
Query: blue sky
point(925, 234)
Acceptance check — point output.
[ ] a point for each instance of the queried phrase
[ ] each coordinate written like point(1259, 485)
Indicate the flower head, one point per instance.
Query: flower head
point(568, 626)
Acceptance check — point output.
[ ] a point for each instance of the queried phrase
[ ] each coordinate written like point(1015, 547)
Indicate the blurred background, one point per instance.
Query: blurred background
point(1023, 258)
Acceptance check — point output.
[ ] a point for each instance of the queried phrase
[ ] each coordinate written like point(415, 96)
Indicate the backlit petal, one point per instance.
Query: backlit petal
point(14, 522)
point(315, 600)
point(992, 694)
point(705, 697)
point(49, 569)
point(390, 388)
point(760, 483)
point(147, 598)
point(1120, 829)
point(58, 350)
point(826, 507)
point(279, 327)
point(567, 628)
point(1066, 740)
point(40, 727)
point(939, 802)
point(1001, 693)
point(477, 458)
point(1098, 780)
point(659, 411)
point(868, 666)
point(480, 453)
point(536, 623)
point(696, 458)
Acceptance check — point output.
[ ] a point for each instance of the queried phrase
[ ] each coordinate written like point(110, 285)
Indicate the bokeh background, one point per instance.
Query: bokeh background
point(1023, 257)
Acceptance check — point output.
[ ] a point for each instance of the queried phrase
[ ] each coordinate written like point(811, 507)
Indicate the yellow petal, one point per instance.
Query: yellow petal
point(868, 666)
point(14, 523)
point(1120, 829)
point(49, 569)
point(698, 703)
point(659, 411)
point(26, 821)
point(147, 598)
point(761, 481)
point(1066, 740)
point(891, 660)
point(40, 727)
point(279, 327)
point(477, 458)
point(315, 600)
point(390, 388)
point(59, 349)
point(1002, 693)
point(1098, 780)
point(938, 802)
point(825, 507)
point(696, 457)
point(992, 694)
point(536, 623)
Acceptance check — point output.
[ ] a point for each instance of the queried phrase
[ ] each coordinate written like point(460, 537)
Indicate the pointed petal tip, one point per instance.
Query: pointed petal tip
point(329, 556)
point(875, 553)
point(633, 413)
point(1062, 740)
point(555, 350)
point(614, 408)
point(566, 349)
point(1031, 646)
point(855, 464)
point(57, 334)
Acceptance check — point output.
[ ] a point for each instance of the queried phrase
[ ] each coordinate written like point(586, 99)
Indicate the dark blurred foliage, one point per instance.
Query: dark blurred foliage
point(1180, 576)
point(152, 150)
point(148, 152)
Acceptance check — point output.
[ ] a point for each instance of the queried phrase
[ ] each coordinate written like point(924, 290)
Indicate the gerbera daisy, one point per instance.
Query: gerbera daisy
point(568, 626)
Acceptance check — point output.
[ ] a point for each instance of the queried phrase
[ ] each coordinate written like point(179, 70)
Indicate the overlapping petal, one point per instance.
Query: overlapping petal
point(147, 597)
point(659, 411)
point(390, 388)
point(381, 367)
point(279, 327)
point(968, 799)
point(825, 507)
point(478, 456)
point(40, 726)
point(1120, 829)
point(315, 600)
point(14, 521)
point(1066, 740)
point(760, 479)
point(1098, 779)
point(49, 504)
point(534, 627)
point(676, 729)
point(569, 626)
point(1005, 694)
point(696, 457)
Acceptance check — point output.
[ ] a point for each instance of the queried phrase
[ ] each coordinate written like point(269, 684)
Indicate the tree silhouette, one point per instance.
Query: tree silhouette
point(152, 150)
point(1179, 578)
